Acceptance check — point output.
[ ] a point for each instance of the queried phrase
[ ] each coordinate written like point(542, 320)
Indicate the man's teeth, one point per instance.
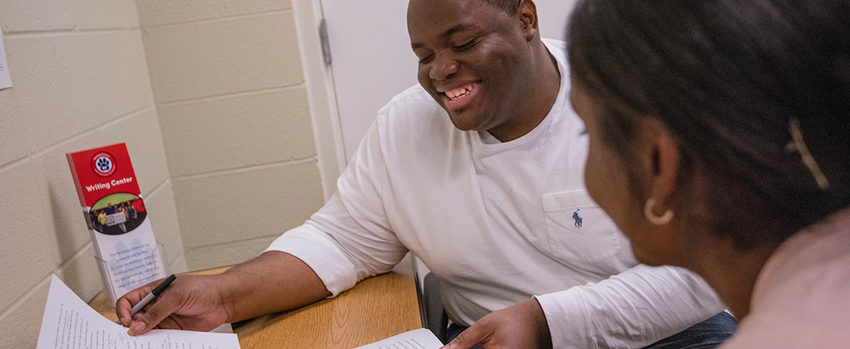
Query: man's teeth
point(460, 92)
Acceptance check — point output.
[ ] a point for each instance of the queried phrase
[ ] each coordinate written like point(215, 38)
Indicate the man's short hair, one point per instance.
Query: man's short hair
point(509, 6)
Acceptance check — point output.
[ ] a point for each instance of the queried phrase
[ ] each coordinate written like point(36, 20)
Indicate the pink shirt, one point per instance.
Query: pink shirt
point(802, 295)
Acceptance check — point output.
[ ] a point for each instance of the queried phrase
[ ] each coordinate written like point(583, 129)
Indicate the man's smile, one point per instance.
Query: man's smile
point(459, 97)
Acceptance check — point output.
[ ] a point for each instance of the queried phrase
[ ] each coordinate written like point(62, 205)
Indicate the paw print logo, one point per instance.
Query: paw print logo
point(103, 164)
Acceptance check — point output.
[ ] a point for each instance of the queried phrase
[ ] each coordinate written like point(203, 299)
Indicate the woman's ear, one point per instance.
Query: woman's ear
point(527, 13)
point(664, 165)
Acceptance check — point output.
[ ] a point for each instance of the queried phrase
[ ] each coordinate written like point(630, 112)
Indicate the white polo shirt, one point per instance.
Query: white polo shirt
point(497, 223)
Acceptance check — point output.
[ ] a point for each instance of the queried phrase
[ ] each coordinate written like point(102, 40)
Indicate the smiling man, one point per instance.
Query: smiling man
point(479, 171)
point(485, 73)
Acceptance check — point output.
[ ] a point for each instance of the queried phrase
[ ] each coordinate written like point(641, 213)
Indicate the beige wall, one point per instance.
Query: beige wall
point(209, 97)
point(231, 98)
point(80, 81)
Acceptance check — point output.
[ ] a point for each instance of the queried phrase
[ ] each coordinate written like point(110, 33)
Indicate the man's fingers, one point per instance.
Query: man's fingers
point(122, 309)
point(126, 302)
point(169, 323)
point(156, 311)
point(466, 339)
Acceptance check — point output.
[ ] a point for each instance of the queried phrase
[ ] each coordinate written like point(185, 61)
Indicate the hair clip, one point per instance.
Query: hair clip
point(799, 146)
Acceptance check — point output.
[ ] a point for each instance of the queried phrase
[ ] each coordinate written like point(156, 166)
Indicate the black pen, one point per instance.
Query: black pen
point(156, 291)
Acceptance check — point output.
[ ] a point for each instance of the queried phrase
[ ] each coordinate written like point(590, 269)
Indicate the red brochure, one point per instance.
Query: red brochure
point(126, 250)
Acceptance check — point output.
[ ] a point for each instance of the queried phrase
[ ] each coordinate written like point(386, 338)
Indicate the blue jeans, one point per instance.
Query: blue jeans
point(704, 335)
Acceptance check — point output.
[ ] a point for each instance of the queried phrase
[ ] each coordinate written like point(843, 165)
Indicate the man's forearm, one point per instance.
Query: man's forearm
point(272, 282)
point(632, 309)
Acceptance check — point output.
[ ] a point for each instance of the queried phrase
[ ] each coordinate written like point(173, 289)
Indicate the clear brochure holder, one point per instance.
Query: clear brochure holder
point(157, 256)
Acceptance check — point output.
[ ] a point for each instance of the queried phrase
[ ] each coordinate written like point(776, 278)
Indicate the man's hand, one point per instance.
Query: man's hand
point(520, 326)
point(271, 282)
point(192, 302)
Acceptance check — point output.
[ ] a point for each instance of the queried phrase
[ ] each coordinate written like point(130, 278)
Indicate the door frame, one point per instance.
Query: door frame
point(319, 82)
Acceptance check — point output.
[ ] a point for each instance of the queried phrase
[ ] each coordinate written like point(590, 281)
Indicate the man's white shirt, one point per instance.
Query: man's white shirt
point(498, 223)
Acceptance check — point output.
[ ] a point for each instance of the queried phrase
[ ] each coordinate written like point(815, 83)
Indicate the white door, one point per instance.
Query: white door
point(372, 59)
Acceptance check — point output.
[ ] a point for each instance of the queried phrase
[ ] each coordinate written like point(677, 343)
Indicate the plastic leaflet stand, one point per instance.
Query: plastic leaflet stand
point(126, 251)
point(137, 269)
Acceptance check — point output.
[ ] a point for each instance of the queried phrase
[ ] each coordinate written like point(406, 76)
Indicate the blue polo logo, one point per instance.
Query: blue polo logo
point(577, 218)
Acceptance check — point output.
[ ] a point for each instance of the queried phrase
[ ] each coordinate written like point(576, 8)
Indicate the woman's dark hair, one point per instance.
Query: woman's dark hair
point(729, 79)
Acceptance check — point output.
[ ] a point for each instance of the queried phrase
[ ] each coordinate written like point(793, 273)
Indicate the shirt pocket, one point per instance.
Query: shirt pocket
point(577, 229)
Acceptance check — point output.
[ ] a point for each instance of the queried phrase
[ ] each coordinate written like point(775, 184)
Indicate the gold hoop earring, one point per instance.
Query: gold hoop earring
point(652, 218)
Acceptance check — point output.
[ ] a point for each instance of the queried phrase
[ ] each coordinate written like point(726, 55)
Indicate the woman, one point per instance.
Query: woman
point(720, 142)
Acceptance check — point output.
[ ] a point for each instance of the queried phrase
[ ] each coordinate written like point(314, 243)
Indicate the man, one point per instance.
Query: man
point(481, 185)
point(101, 218)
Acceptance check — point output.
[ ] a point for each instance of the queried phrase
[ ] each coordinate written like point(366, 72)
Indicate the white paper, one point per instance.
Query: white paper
point(5, 79)
point(69, 323)
point(416, 339)
point(224, 328)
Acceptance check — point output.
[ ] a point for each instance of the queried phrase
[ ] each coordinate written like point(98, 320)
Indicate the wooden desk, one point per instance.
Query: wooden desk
point(377, 308)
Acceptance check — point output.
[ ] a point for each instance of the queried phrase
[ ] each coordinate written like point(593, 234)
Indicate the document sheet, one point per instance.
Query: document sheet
point(70, 323)
point(416, 339)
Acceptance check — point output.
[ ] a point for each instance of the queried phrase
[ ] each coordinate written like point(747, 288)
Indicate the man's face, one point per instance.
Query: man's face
point(474, 60)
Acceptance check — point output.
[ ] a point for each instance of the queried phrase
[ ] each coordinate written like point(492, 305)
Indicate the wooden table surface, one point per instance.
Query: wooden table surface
point(377, 308)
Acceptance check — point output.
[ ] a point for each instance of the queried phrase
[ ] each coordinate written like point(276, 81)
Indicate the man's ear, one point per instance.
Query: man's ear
point(527, 13)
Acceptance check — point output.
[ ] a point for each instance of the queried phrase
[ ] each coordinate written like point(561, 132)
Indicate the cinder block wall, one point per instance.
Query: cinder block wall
point(231, 99)
point(80, 81)
point(209, 96)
